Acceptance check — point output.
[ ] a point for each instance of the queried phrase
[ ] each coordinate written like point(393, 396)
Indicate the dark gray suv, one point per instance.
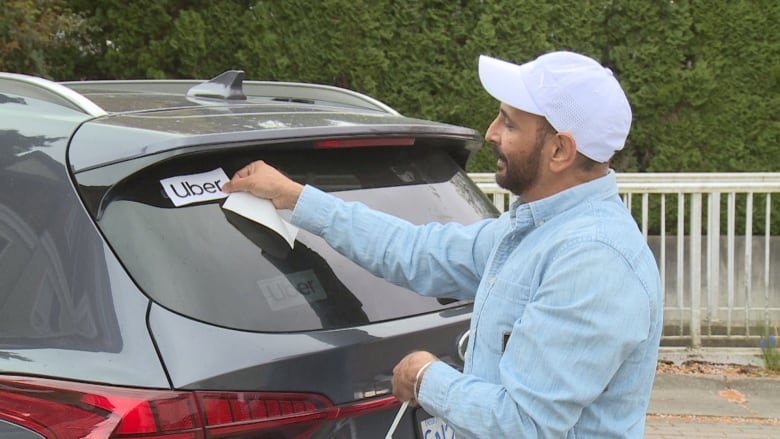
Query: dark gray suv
point(123, 315)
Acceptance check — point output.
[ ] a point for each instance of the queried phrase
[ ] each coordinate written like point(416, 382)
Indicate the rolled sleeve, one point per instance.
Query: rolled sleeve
point(433, 259)
point(313, 209)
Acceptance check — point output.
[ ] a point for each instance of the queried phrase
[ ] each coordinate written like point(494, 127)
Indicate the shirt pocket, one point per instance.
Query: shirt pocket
point(504, 306)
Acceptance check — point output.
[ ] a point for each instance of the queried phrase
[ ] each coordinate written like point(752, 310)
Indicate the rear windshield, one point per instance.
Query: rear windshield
point(210, 264)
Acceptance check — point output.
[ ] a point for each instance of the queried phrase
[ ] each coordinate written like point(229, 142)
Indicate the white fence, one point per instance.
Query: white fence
point(711, 234)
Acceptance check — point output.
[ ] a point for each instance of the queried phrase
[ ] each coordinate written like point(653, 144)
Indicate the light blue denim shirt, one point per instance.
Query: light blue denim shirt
point(567, 308)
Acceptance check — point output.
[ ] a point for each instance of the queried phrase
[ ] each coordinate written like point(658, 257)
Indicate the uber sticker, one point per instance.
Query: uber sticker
point(194, 188)
point(292, 289)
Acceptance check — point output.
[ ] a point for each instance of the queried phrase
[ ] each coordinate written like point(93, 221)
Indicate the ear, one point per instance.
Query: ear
point(564, 152)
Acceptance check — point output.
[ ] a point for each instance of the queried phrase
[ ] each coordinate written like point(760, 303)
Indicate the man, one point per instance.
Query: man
point(567, 297)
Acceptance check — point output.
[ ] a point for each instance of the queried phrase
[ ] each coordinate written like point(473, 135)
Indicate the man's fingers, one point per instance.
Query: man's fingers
point(244, 172)
point(405, 375)
point(233, 185)
point(249, 169)
point(239, 181)
point(265, 181)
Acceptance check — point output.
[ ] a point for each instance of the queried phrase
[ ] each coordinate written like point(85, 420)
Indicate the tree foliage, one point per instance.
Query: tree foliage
point(702, 77)
point(33, 31)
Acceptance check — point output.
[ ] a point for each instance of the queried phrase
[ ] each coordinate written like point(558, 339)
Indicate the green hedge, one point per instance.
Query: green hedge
point(702, 76)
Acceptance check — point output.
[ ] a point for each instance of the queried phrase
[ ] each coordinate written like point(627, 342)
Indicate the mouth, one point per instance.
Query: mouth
point(500, 158)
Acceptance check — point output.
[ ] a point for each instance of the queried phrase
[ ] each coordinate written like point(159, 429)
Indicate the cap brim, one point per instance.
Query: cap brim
point(504, 81)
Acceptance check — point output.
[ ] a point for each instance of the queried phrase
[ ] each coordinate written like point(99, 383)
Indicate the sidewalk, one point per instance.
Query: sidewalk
point(713, 406)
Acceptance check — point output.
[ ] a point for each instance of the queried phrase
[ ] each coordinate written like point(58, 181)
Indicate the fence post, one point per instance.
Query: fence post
point(695, 270)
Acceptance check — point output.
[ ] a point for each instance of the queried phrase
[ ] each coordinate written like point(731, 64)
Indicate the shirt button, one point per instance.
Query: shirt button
point(491, 280)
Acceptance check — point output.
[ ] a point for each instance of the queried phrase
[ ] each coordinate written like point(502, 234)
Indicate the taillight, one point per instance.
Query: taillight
point(67, 410)
point(361, 143)
point(237, 414)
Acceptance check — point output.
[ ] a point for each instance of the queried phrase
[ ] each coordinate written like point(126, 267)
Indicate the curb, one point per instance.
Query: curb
point(738, 356)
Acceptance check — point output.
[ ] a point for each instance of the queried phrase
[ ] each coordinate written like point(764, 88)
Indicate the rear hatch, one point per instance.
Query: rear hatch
point(236, 309)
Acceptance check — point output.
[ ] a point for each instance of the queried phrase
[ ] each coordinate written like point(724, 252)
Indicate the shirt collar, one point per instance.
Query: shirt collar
point(540, 211)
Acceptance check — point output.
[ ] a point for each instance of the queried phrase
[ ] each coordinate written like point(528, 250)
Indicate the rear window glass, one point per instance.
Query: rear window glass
point(218, 267)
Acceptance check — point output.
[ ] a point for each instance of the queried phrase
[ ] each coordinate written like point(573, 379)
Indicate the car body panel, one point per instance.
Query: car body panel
point(13, 431)
point(68, 308)
point(127, 356)
point(319, 362)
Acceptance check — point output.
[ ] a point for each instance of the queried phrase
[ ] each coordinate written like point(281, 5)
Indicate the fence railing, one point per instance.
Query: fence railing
point(712, 237)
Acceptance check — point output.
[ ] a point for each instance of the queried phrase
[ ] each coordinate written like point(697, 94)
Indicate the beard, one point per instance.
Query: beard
point(518, 177)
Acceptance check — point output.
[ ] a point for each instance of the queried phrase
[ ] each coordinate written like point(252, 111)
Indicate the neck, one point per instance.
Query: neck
point(562, 181)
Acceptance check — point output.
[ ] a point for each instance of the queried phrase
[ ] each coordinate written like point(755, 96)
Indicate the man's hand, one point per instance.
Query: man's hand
point(265, 181)
point(405, 372)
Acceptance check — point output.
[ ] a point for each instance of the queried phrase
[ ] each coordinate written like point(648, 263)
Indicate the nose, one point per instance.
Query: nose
point(491, 135)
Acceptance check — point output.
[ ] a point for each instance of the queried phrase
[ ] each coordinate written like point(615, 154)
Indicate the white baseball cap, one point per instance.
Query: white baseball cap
point(573, 92)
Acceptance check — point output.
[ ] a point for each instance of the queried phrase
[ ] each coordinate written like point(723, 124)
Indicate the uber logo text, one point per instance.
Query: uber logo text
point(190, 189)
point(193, 188)
point(290, 290)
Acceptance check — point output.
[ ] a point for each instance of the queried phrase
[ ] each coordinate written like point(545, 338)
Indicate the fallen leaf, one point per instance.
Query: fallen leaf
point(732, 395)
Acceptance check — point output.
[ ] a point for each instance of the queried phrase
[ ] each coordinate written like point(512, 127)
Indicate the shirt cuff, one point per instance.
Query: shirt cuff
point(435, 385)
point(313, 209)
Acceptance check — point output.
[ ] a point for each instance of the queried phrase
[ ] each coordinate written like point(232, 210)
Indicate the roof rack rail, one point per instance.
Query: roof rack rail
point(292, 91)
point(50, 91)
point(309, 91)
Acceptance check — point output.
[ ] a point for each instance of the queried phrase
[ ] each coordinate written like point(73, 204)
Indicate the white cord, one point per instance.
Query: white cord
point(405, 405)
point(397, 419)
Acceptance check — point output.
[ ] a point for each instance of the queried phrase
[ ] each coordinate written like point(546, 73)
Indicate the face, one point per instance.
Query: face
point(517, 144)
